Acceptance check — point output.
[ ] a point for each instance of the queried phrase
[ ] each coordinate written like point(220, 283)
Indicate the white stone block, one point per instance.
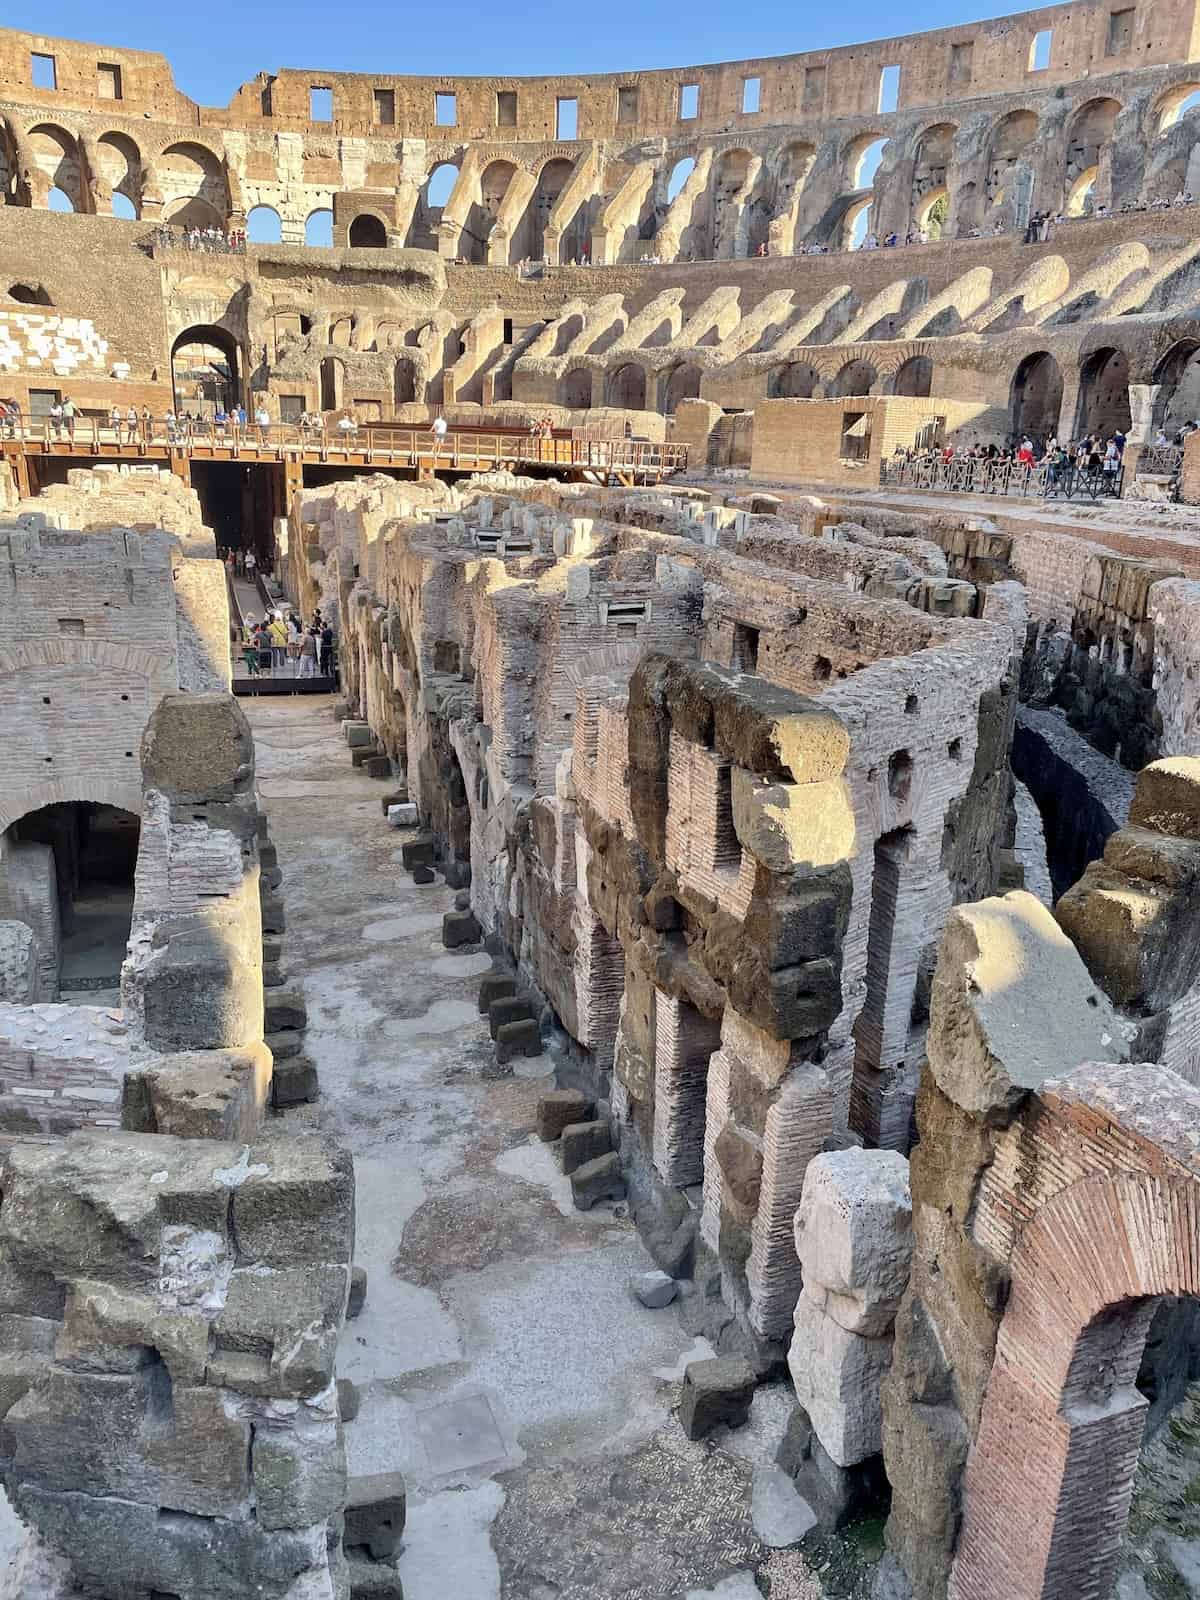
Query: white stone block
point(837, 1375)
point(854, 1236)
point(403, 815)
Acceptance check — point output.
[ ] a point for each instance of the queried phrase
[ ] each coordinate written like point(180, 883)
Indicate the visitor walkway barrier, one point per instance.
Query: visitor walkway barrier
point(971, 475)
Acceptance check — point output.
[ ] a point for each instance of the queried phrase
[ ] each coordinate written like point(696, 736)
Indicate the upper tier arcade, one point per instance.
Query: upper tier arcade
point(979, 127)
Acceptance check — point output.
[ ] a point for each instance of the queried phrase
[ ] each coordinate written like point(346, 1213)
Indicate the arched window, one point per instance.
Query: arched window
point(58, 200)
point(858, 220)
point(123, 206)
point(865, 163)
point(318, 230)
point(262, 225)
point(367, 233)
point(680, 173)
point(204, 370)
point(441, 184)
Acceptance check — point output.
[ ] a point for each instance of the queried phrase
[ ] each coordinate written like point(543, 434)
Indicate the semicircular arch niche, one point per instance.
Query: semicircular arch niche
point(56, 153)
point(205, 369)
point(367, 232)
point(193, 186)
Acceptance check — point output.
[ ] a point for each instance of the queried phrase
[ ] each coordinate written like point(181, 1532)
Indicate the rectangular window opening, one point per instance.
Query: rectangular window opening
point(40, 401)
point(751, 94)
point(727, 852)
point(320, 104)
point(508, 330)
point(1120, 31)
point(961, 62)
point(814, 88)
point(856, 436)
point(44, 70)
point(745, 648)
point(1039, 50)
point(689, 101)
point(566, 123)
point(889, 89)
point(108, 81)
point(266, 98)
point(506, 108)
point(445, 110)
point(627, 106)
point(385, 108)
point(291, 407)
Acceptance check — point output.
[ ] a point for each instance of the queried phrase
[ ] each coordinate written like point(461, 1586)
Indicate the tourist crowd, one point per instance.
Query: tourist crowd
point(280, 642)
point(212, 240)
point(1094, 456)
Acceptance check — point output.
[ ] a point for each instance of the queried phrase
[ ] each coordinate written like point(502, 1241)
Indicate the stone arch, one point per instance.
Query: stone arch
point(575, 389)
point(1035, 397)
point(56, 153)
point(1172, 105)
point(681, 383)
point(914, 377)
point(797, 381)
point(861, 158)
point(1104, 393)
point(679, 175)
point(341, 332)
point(1008, 156)
point(120, 164)
point(931, 163)
point(552, 180)
point(367, 232)
point(1088, 145)
point(856, 223)
point(212, 366)
point(857, 377)
point(1086, 1274)
point(439, 186)
point(194, 190)
point(332, 379)
point(318, 228)
point(1177, 375)
point(263, 225)
point(627, 387)
point(1081, 195)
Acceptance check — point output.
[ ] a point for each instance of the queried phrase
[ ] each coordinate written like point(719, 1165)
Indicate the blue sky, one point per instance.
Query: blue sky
point(217, 44)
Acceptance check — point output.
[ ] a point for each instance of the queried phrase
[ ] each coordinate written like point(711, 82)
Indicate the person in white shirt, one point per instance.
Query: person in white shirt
point(439, 433)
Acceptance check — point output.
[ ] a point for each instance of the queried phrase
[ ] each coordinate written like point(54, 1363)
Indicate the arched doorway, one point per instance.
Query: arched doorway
point(367, 232)
point(682, 384)
point(204, 371)
point(915, 378)
point(576, 389)
point(1178, 378)
point(552, 180)
point(1104, 394)
point(856, 378)
point(1035, 399)
point(67, 872)
point(332, 383)
point(796, 381)
point(404, 382)
point(263, 225)
point(627, 388)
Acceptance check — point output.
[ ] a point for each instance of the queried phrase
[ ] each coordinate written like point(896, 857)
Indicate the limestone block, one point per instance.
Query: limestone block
point(715, 1392)
point(200, 1094)
point(1167, 797)
point(583, 1141)
point(559, 1109)
point(854, 1236)
point(295, 1082)
point(655, 1289)
point(1012, 1004)
point(520, 1038)
point(357, 733)
point(510, 1008)
point(299, 1476)
point(198, 748)
point(597, 1180)
point(20, 980)
point(403, 815)
point(358, 1291)
point(459, 928)
point(785, 825)
point(421, 874)
point(837, 1375)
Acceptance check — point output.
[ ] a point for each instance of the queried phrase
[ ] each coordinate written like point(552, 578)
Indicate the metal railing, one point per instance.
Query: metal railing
point(1167, 459)
point(394, 445)
point(970, 475)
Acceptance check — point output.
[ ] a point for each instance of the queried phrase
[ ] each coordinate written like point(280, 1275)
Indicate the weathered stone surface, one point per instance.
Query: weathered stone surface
point(597, 1180)
point(358, 1291)
point(837, 1375)
point(655, 1289)
point(295, 1082)
point(357, 733)
point(740, 1157)
point(510, 1008)
point(286, 1044)
point(558, 1109)
point(1012, 1004)
point(583, 1141)
point(522, 1038)
point(457, 874)
point(1167, 798)
point(349, 1399)
point(198, 748)
point(299, 1476)
point(854, 1236)
point(201, 1094)
point(718, 1391)
point(285, 1008)
point(423, 874)
point(419, 851)
point(373, 1580)
point(495, 986)
point(459, 928)
point(376, 1507)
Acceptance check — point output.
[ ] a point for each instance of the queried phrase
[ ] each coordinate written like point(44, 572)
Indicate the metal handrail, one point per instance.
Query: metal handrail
point(405, 445)
point(971, 475)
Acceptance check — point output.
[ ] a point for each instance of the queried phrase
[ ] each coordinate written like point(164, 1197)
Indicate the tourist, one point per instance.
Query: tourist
point(278, 632)
point(439, 433)
point(131, 425)
point(251, 565)
point(308, 654)
point(56, 417)
point(170, 422)
point(347, 425)
point(1161, 442)
point(1111, 464)
point(262, 421)
point(147, 422)
point(326, 650)
point(114, 422)
point(293, 641)
point(1025, 454)
point(250, 646)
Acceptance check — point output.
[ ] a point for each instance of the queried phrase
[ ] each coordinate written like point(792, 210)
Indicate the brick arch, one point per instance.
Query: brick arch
point(98, 653)
point(20, 802)
point(1050, 1474)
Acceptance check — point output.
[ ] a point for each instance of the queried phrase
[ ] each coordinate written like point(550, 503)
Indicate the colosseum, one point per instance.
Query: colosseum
point(600, 851)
